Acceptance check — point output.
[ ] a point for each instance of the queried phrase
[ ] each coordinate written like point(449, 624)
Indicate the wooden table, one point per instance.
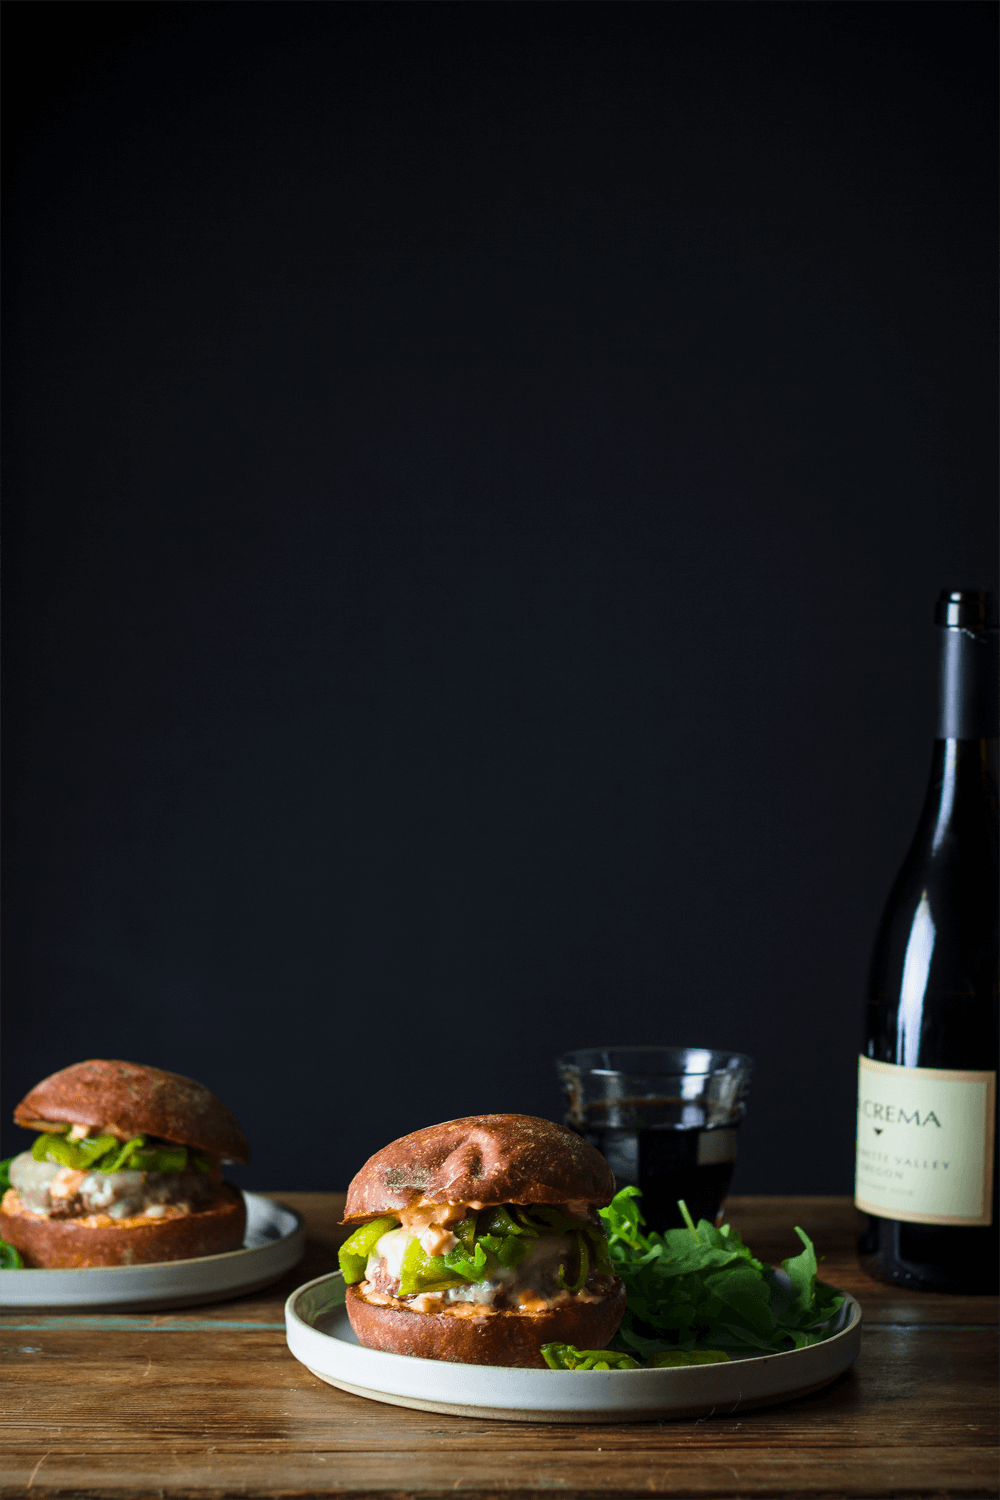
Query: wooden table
point(210, 1403)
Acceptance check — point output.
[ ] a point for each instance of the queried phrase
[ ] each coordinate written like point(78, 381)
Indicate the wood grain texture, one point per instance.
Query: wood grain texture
point(211, 1404)
point(582, 1472)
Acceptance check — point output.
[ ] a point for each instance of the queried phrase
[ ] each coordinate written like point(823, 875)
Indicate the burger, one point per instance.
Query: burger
point(478, 1241)
point(125, 1170)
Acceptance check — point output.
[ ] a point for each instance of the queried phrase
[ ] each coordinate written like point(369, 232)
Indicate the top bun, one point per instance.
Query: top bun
point(128, 1099)
point(484, 1159)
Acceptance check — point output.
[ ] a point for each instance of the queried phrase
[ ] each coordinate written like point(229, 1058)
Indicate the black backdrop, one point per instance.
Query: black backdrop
point(478, 477)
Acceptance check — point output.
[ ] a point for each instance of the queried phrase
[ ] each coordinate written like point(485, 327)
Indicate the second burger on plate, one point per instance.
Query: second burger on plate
point(125, 1170)
point(479, 1241)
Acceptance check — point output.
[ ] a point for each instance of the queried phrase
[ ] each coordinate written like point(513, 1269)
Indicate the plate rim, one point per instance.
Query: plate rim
point(194, 1260)
point(853, 1326)
point(30, 1276)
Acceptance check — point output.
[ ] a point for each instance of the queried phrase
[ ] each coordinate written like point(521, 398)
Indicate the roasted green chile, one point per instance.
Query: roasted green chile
point(583, 1262)
point(354, 1252)
point(80, 1155)
point(420, 1272)
point(105, 1153)
point(501, 1235)
point(567, 1357)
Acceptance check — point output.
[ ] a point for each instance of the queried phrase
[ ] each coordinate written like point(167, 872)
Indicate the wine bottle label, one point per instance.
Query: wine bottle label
point(925, 1144)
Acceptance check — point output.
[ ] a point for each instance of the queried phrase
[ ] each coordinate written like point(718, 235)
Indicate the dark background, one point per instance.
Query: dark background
point(478, 479)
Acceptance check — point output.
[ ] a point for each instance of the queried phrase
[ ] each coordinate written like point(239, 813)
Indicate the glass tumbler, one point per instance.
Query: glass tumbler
point(664, 1118)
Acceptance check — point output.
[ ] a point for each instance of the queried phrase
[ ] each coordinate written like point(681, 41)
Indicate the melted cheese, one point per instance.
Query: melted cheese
point(45, 1188)
point(390, 1249)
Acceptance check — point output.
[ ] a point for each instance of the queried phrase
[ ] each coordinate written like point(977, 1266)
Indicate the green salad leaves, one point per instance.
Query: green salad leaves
point(701, 1286)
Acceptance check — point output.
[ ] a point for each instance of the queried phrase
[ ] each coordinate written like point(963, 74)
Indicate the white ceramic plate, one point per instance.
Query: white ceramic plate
point(320, 1335)
point(274, 1241)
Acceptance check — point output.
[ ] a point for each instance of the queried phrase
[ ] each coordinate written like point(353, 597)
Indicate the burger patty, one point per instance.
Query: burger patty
point(64, 1193)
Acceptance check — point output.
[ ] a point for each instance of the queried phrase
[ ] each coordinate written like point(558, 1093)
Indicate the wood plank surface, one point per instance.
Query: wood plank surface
point(209, 1403)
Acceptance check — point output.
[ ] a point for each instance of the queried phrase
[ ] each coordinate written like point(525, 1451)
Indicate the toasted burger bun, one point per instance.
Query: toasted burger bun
point(486, 1159)
point(102, 1241)
point(482, 1160)
point(488, 1337)
point(127, 1099)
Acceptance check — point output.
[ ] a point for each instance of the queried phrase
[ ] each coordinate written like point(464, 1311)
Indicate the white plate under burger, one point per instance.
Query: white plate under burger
point(320, 1336)
point(273, 1244)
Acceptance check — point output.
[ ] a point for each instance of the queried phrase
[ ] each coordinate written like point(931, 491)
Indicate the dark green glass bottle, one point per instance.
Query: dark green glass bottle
point(927, 1149)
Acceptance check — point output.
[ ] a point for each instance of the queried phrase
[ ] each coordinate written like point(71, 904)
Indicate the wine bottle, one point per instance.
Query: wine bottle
point(927, 1107)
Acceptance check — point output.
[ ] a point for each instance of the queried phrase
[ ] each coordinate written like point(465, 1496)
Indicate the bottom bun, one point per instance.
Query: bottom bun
point(102, 1241)
point(486, 1337)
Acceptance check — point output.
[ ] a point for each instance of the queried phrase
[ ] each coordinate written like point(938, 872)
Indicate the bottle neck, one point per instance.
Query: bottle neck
point(961, 796)
point(969, 684)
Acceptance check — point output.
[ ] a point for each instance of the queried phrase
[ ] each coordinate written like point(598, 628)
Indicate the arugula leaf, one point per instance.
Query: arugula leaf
point(470, 1270)
point(677, 1357)
point(5, 1176)
point(508, 1249)
point(500, 1221)
point(465, 1231)
point(701, 1285)
point(10, 1259)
